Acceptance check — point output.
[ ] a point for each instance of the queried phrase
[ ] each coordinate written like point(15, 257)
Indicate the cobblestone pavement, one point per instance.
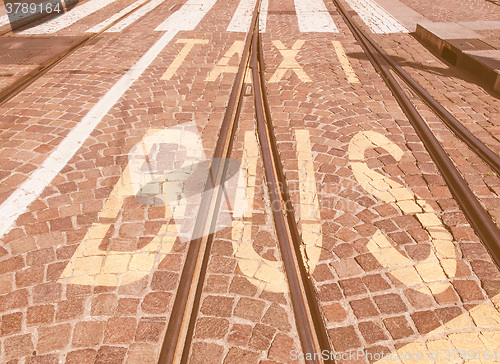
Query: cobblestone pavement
point(90, 268)
point(456, 11)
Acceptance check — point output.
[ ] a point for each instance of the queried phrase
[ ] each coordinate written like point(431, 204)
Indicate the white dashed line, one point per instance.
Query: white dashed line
point(136, 15)
point(69, 18)
point(243, 16)
point(187, 17)
point(97, 28)
point(17, 203)
point(378, 20)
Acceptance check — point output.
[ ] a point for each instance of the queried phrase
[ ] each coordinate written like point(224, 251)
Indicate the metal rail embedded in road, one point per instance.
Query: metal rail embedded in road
point(20, 84)
point(480, 220)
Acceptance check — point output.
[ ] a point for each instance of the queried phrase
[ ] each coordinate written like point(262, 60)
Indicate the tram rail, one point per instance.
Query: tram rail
point(307, 311)
point(24, 81)
point(480, 220)
point(308, 315)
point(310, 323)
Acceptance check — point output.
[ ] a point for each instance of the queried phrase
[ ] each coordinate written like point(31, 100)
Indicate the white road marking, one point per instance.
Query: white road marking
point(17, 203)
point(378, 20)
point(97, 28)
point(187, 17)
point(313, 16)
point(134, 16)
point(243, 16)
point(264, 5)
point(69, 18)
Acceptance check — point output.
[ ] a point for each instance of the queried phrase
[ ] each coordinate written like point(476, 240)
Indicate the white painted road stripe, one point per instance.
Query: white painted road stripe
point(313, 16)
point(378, 20)
point(17, 203)
point(97, 28)
point(134, 16)
point(264, 5)
point(243, 16)
point(71, 17)
point(187, 17)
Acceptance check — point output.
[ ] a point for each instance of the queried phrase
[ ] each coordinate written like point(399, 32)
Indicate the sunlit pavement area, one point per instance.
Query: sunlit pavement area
point(104, 157)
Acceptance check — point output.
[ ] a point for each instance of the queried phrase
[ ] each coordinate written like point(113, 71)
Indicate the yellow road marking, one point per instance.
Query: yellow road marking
point(258, 269)
point(441, 262)
point(223, 64)
point(477, 342)
point(309, 205)
point(289, 62)
point(90, 265)
point(174, 66)
point(479, 328)
point(344, 62)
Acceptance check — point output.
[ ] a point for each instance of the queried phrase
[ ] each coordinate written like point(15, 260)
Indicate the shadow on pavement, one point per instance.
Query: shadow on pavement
point(24, 14)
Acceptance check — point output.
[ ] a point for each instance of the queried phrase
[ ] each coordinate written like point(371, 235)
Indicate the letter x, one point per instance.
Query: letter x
point(289, 62)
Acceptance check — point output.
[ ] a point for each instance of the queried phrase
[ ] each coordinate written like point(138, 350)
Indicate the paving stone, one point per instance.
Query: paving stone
point(88, 333)
point(69, 309)
point(141, 353)
point(398, 327)
point(206, 353)
point(47, 292)
point(110, 354)
point(239, 334)
point(119, 330)
point(364, 308)
point(389, 303)
point(104, 305)
point(242, 286)
point(281, 347)
point(238, 355)
point(425, 321)
point(277, 316)
point(18, 346)
point(156, 302)
point(53, 338)
point(81, 356)
point(11, 323)
point(250, 309)
point(40, 315)
point(211, 328)
point(468, 290)
point(261, 337)
point(344, 338)
point(43, 359)
point(372, 332)
point(217, 306)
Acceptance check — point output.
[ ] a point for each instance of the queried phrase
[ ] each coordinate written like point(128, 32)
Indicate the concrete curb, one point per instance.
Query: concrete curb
point(464, 49)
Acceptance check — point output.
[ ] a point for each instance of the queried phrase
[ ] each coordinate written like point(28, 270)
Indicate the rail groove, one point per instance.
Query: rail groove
point(176, 344)
point(23, 82)
point(309, 320)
